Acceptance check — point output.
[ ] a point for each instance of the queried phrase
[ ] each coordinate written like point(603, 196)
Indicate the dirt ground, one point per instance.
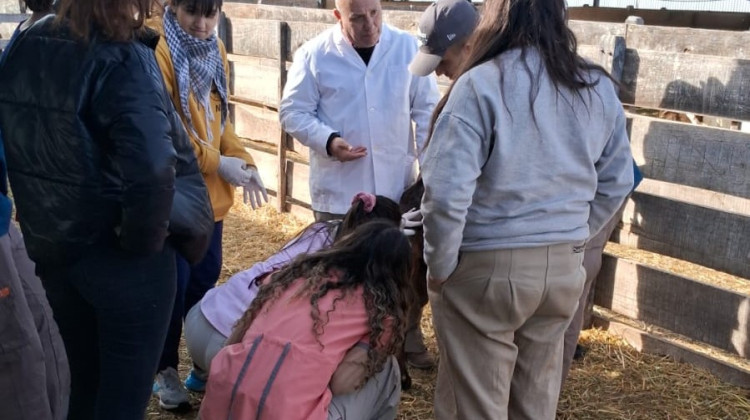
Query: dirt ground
point(613, 381)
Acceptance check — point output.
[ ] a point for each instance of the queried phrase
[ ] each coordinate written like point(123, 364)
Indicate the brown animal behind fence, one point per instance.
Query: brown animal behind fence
point(411, 199)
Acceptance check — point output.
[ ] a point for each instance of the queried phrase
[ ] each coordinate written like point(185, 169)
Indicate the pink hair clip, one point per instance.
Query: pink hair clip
point(367, 199)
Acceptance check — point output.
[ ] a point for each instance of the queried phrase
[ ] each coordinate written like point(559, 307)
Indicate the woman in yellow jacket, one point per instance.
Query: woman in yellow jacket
point(194, 64)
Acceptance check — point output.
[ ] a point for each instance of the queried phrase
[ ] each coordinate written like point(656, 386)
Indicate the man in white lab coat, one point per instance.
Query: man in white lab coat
point(350, 98)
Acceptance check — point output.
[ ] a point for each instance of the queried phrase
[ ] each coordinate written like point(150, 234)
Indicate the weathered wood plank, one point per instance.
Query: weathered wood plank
point(297, 200)
point(701, 84)
point(402, 19)
point(256, 82)
point(298, 209)
point(288, 14)
point(252, 32)
point(689, 41)
point(14, 18)
point(293, 3)
point(298, 182)
point(7, 29)
point(298, 174)
point(221, 28)
point(591, 32)
point(255, 37)
point(681, 18)
point(301, 32)
point(696, 156)
point(708, 237)
point(672, 18)
point(285, 139)
point(271, 149)
point(696, 196)
point(699, 311)
point(267, 166)
point(256, 123)
point(262, 124)
point(608, 52)
point(661, 344)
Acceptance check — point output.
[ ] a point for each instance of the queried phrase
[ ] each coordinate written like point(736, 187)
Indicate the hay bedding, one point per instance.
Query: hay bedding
point(613, 381)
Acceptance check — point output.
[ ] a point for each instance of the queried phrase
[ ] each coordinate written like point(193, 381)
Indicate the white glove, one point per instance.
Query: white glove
point(411, 219)
point(232, 170)
point(253, 189)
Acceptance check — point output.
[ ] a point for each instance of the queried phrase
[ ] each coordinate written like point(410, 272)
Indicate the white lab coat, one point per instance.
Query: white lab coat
point(330, 89)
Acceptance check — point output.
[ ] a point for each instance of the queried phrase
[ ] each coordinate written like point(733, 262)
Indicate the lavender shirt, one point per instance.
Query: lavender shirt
point(224, 305)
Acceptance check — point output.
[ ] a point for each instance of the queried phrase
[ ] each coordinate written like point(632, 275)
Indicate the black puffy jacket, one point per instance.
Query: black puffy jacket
point(95, 150)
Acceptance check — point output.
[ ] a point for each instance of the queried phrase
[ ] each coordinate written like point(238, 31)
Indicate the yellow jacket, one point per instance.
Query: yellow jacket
point(220, 192)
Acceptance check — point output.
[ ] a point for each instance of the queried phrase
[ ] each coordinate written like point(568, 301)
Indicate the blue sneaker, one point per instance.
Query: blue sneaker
point(194, 382)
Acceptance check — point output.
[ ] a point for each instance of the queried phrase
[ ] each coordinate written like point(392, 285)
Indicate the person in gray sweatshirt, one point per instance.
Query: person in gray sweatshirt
point(528, 158)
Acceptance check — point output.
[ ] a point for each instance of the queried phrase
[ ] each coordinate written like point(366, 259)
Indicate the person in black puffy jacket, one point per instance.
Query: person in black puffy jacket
point(106, 187)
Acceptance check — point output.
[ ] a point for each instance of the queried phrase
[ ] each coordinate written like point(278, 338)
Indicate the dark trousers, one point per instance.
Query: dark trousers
point(112, 309)
point(192, 284)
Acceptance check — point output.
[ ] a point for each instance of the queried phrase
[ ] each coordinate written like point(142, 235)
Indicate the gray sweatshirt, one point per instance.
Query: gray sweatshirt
point(497, 177)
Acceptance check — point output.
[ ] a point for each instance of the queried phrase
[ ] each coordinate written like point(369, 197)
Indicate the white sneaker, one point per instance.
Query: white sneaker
point(172, 394)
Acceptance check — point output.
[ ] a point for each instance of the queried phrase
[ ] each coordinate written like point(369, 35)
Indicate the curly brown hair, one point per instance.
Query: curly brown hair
point(375, 257)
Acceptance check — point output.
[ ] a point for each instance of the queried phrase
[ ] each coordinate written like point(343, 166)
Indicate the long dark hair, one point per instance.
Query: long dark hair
point(117, 20)
point(525, 24)
point(39, 5)
point(376, 257)
point(385, 209)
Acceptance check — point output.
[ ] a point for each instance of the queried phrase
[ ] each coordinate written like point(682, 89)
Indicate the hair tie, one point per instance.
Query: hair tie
point(367, 199)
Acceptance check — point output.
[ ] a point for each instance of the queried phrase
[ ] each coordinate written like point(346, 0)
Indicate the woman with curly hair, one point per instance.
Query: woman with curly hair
point(209, 323)
point(344, 306)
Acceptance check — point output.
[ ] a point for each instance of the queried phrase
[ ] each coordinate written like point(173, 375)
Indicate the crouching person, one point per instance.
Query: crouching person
point(318, 341)
point(210, 322)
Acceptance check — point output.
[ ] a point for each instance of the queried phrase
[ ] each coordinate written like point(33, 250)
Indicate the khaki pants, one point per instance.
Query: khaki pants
point(500, 319)
point(592, 263)
point(34, 374)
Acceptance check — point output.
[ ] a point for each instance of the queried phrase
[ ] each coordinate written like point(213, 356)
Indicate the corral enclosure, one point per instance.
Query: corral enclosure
point(693, 205)
point(688, 218)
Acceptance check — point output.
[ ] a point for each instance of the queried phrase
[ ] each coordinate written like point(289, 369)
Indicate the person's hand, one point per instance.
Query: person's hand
point(351, 373)
point(344, 152)
point(253, 189)
point(433, 280)
point(232, 170)
point(410, 220)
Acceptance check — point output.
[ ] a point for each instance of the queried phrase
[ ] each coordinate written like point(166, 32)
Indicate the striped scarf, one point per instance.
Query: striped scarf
point(198, 65)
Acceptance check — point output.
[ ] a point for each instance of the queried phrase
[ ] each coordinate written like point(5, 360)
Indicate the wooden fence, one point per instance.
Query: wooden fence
point(8, 24)
point(732, 21)
point(693, 205)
